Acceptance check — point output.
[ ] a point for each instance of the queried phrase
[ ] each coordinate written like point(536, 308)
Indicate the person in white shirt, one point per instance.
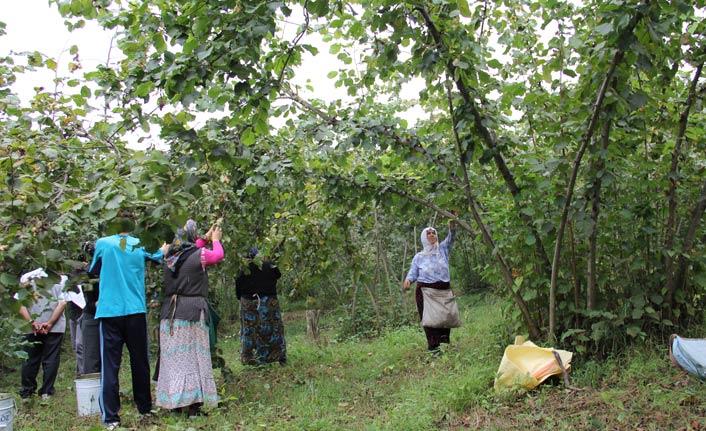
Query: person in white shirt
point(45, 334)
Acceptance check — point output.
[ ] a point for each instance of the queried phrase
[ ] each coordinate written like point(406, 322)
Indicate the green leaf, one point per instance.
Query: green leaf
point(114, 202)
point(144, 89)
point(54, 255)
point(51, 153)
point(634, 331)
point(96, 205)
point(604, 29)
point(159, 43)
point(34, 59)
point(518, 281)
point(464, 9)
point(248, 137)
point(190, 45)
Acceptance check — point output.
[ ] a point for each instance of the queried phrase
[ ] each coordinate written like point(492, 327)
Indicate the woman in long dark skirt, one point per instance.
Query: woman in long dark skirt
point(262, 331)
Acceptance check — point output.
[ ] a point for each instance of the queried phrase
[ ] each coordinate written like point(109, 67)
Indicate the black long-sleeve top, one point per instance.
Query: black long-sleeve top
point(260, 281)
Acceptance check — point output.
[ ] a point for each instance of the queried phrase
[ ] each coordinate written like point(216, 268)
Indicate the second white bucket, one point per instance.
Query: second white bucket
point(88, 389)
point(7, 411)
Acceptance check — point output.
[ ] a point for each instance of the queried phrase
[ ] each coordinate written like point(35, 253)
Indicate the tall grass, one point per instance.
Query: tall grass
point(391, 383)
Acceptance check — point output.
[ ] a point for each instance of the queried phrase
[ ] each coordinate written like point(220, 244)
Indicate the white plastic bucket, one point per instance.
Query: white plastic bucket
point(7, 411)
point(88, 389)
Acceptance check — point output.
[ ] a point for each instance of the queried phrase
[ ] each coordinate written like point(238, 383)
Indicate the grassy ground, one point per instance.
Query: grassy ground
point(391, 384)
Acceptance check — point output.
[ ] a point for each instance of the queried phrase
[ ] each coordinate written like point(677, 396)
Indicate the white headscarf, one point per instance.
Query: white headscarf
point(428, 248)
point(29, 277)
point(32, 275)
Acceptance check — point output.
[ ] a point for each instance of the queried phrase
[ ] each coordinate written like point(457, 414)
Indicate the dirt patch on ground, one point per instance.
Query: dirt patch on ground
point(589, 409)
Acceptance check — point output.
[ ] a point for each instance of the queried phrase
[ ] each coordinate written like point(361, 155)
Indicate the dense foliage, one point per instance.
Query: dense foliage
point(570, 136)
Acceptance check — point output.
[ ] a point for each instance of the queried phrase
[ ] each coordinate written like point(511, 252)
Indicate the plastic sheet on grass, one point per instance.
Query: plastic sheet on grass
point(526, 365)
point(688, 354)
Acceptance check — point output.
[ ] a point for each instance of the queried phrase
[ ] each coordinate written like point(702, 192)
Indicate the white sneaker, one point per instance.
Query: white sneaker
point(112, 426)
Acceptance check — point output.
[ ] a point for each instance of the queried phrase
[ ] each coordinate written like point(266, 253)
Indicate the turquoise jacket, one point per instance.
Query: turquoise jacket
point(122, 275)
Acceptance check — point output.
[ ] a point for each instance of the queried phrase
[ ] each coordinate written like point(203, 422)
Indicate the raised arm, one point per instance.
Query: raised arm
point(216, 254)
point(450, 238)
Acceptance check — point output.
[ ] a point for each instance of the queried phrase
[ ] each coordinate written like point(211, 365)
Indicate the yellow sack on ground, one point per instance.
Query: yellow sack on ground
point(526, 365)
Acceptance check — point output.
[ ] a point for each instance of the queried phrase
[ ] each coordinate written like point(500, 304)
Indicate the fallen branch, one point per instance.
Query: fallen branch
point(564, 372)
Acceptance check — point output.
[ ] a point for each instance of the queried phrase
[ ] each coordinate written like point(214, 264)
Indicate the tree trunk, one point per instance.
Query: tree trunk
point(672, 283)
point(312, 324)
point(376, 308)
point(575, 275)
point(333, 285)
point(506, 270)
point(682, 266)
point(355, 300)
point(388, 280)
point(592, 283)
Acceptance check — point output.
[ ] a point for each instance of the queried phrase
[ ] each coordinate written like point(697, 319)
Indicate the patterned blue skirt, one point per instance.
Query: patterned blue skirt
point(261, 331)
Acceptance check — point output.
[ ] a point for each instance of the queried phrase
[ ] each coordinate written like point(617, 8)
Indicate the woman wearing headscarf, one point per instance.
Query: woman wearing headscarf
point(430, 268)
point(185, 371)
point(262, 332)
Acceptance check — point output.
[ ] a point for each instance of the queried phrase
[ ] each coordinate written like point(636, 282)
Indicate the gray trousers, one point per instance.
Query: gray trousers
point(90, 331)
point(77, 343)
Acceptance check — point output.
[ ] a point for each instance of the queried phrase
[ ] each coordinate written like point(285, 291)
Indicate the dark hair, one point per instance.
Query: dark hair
point(126, 220)
point(88, 248)
point(126, 214)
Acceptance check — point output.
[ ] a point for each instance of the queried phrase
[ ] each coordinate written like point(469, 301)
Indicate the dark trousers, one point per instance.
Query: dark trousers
point(45, 352)
point(91, 334)
point(115, 332)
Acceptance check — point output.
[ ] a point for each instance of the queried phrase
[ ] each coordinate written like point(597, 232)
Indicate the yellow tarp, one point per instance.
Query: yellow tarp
point(526, 365)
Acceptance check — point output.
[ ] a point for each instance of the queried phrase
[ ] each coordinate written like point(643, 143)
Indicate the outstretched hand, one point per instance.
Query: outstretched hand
point(452, 222)
point(216, 233)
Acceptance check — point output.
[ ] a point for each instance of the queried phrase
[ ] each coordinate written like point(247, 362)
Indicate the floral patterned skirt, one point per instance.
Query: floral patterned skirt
point(262, 333)
point(185, 372)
